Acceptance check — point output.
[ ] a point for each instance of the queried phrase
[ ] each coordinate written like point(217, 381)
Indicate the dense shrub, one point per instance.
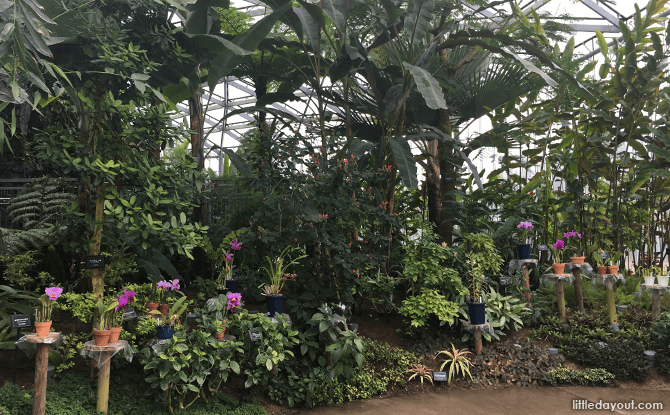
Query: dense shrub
point(585, 377)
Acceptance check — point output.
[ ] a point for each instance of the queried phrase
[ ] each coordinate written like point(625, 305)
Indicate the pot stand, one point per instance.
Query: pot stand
point(560, 294)
point(103, 356)
point(577, 274)
point(656, 293)
point(41, 367)
point(477, 329)
point(525, 265)
point(608, 281)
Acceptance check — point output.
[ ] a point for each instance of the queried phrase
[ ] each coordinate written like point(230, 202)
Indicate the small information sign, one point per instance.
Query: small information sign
point(20, 321)
point(605, 255)
point(542, 247)
point(95, 262)
point(440, 376)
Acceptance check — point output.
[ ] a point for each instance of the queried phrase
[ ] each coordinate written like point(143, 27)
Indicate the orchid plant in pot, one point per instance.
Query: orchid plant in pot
point(172, 318)
point(221, 307)
point(101, 332)
point(276, 271)
point(167, 289)
point(226, 280)
point(598, 258)
point(116, 316)
point(523, 249)
point(43, 313)
point(613, 263)
point(153, 299)
point(557, 249)
point(573, 239)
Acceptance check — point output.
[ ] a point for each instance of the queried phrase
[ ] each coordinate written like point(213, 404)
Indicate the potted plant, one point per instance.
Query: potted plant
point(166, 330)
point(101, 332)
point(43, 313)
point(116, 319)
point(612, 264)
point(220, 307)
point(482, 257)
point(662, 278)
point(649, 278)
point(153, 299)
point(523, 249)
point(167, 289)
point(597, 256)
point(276, 271)
point(573, 239)
point(557, 249)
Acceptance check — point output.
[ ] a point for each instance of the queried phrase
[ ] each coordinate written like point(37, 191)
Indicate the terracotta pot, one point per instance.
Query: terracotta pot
point(101, 337)
point(577, 259)
point(42, 329)
point(602, 270)
point(613, 269)
point(151, 307)
point(558, 268)
point(163, 308)
point(114, 333)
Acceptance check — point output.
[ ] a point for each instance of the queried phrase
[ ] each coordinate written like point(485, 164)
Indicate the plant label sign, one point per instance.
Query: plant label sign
point(129, 314)
point(605, 255)
point(20, 321)
point(440, 376)
point(95, 262)
point(542, 247)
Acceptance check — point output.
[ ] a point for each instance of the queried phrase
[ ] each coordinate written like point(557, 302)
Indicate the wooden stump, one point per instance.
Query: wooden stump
point(41, 367)
point(526, 283)
point(103, 383)
point(560, 299)
point(478, 341)
point(611, 305)
point(577, 274)
point(655, 304)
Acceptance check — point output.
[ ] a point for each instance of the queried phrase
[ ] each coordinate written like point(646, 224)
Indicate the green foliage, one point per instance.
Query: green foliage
point(506, 363)
point(481, 257)
point(421, 372)
point(275, 345)
point(384, 367)
point(80, 305)
point(584, 377)
point(419, 308)
point(13, 301)
point(424, 266)
point(504, 312)
point(73, 345)
point(660, 332)
point(188, 366)
point(379, 289)
point(457, 361)
point(75, 394)
point(18, 267)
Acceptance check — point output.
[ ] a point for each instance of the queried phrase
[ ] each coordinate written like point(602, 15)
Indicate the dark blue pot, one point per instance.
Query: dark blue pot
point(165, 332)
point(523, 251)
point(477, 313)
point(231, 285)
point(275, 304)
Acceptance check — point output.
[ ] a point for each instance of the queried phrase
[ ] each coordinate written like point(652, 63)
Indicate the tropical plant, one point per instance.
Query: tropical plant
point(276, 270)
point(457, 361)
point(43, 314)
point(422, 372)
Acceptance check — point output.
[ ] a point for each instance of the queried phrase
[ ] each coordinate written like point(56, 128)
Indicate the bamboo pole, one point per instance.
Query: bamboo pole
point(41, 367)
point(560, 299)
point(103, 382)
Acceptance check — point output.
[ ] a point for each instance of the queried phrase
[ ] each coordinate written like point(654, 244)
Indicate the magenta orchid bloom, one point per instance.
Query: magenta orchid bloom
point(175, 285)
point(229, 256)
point(235, 246)
point(164, 285)
point(53, 292)
point(572, 234)
point(130, 294)
point(559, 245)
point(123, 302)
point(525, 225)
point(233, 301)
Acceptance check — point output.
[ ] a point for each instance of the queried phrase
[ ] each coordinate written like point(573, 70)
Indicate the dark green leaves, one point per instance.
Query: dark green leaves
point(402, 153)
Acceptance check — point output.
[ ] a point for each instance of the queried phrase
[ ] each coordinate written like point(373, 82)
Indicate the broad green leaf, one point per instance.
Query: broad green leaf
point(417, 21)
point(402, 153)
point(428, 87)
point(238, 162)
point(602, 43)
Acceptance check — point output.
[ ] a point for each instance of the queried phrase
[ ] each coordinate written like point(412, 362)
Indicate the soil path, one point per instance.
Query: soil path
point(509, 401)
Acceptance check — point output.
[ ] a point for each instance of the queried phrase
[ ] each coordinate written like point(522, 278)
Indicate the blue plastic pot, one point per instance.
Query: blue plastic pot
point(523, 251)
point(165, 332)
point(231, 285)
point(477, 313)
point(275, 304)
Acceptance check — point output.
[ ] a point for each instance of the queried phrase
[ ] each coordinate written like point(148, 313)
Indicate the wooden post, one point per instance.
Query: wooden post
point(655, 304)
point(478, 340)
point(611, 305)
point(560, 299)
point(41, 363)
point(526, 283)
point(103, 382)
point(577, 274)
